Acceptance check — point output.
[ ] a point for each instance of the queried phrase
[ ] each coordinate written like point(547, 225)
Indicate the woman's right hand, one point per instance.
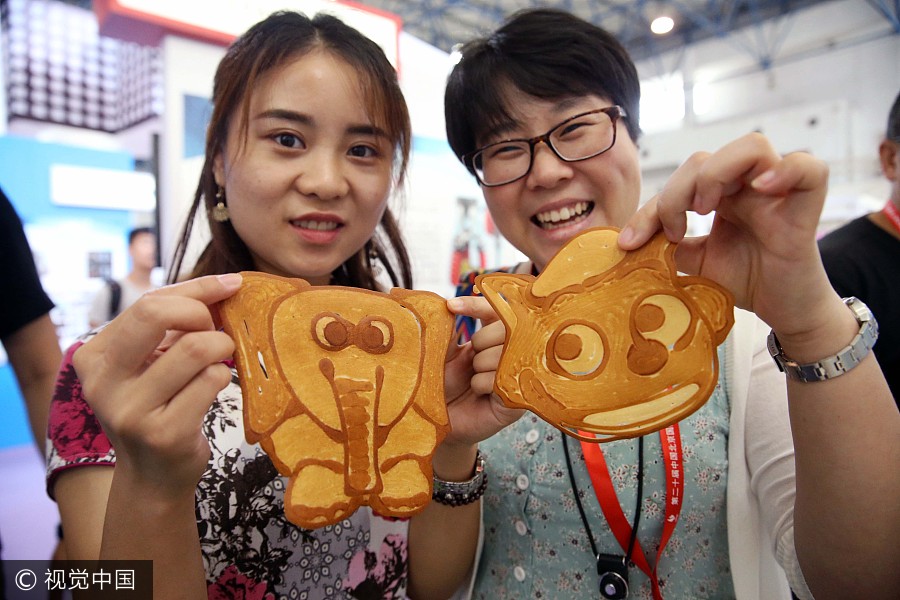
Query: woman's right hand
point(476, 413)
point(151, 375)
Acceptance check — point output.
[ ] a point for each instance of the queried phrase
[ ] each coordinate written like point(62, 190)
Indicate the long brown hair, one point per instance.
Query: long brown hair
point(274, 41)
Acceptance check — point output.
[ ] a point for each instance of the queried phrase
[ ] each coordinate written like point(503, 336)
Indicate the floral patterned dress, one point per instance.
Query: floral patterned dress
point(249, 550)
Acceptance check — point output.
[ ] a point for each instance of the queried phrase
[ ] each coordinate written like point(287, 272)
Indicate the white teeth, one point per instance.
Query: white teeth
point(564, 214)
point(317, 225)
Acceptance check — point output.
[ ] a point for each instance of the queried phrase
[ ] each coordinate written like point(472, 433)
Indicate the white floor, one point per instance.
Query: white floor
point(28, 517)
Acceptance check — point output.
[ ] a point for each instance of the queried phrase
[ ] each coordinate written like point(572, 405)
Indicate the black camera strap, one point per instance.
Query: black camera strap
point(603, 487)
point(634, 525)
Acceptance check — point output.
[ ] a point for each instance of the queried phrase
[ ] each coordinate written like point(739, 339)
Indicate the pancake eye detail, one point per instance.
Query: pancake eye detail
point(375, 335)
point(663, 318)
point(576, 350)
point(649, 317)
point(330, 331)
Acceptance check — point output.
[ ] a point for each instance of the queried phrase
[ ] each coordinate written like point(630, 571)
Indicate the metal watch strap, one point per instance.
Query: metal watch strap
point(459, 493)
point(837, 364)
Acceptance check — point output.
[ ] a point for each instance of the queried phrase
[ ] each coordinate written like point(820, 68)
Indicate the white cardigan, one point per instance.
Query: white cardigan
point(761, 477)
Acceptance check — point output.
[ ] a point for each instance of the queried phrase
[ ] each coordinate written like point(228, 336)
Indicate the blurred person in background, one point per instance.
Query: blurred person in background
point(861, 258)
point(26, 330)
point(117, 295)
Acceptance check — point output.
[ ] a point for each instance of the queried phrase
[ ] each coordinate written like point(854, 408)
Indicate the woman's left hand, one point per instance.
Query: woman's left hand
point(762, 244)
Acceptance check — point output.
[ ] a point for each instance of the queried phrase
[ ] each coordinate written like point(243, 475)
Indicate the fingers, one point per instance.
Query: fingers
point(744, 169)
point(796, 173)
point(125, 363)
point(193, 401)
point(642, 225)
point(186, 361)
point(133, 336)
point(483, 384)
point(476, 361)
point(473, 306)
point(166, 428)
point(458, 371)
point(690, 254)
point(489, 336)
point(112, 391)
point(486, 361)
point(209, 289)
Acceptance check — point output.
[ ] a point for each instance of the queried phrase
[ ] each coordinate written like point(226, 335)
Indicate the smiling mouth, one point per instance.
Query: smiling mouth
point(316, 225)
point(554, 219)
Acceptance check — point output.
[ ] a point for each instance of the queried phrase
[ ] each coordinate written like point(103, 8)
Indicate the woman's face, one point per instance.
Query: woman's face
point(539, 213)
point(310, 183)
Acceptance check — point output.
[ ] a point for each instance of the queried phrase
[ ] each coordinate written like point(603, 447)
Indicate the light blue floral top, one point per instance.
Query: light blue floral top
point(536, 546)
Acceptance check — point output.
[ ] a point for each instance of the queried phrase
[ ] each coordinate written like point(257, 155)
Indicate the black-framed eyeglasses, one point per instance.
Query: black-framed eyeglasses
point(583, 136)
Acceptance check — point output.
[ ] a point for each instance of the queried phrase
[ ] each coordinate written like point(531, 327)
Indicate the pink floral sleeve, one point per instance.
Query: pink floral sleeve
point(75, 437)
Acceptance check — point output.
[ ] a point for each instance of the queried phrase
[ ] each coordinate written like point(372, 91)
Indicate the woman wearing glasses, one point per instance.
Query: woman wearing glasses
point(796, 477)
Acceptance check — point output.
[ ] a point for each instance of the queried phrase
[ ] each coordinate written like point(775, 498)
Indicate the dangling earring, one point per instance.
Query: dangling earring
point(373, 258)
point(220, 210)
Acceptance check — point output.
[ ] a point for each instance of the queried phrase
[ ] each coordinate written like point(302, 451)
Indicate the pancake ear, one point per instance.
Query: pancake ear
point(436, 323)
point(715, 303)
point(503, 290)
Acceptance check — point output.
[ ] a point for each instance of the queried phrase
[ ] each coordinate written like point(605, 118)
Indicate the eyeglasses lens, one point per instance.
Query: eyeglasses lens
point(572, 140)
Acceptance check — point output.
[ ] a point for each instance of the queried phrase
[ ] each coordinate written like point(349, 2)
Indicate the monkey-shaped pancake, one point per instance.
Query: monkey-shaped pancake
point(344, 390)
point(606, 341)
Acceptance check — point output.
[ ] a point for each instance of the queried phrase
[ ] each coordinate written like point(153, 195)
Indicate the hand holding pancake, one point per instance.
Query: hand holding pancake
point(476, 413)
point(150, 376)
point(762, 244)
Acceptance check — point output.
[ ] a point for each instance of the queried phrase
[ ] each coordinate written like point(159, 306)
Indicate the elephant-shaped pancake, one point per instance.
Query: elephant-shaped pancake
point(344, 390)
point(609, 342)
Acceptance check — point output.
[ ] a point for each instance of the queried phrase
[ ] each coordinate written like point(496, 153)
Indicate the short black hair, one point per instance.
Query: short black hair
point(138, 231)
point(546, 53)
point(893, 125)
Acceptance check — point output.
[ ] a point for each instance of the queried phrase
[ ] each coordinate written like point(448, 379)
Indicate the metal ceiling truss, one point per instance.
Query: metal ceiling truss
point(889, 10)
point(765, 23)
point(444, 23)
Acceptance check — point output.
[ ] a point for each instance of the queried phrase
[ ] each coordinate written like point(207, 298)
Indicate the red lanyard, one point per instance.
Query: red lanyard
point(670, 437)
point(893, 215)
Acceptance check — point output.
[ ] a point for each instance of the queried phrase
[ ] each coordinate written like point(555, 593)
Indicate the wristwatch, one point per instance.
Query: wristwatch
point(459, 493)
point(838, 364)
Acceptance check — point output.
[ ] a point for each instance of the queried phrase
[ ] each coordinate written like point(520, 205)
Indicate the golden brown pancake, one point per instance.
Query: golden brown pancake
point(344, 390)
point(609, 342)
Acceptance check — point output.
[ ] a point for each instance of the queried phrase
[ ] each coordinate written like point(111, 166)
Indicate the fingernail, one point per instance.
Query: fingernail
point(230, 279)
point(764, 179)
point(626, 235)
point(455, 304)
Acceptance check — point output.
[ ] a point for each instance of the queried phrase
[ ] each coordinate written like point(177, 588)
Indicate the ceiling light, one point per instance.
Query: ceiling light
point(662, 25)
